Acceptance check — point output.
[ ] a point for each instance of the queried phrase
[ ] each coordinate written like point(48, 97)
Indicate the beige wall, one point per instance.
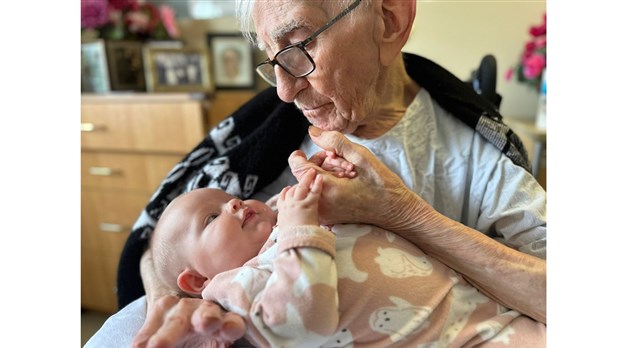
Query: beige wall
point(458, 33)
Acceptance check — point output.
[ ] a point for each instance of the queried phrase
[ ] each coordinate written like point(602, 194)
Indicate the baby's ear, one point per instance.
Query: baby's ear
point(192, 282)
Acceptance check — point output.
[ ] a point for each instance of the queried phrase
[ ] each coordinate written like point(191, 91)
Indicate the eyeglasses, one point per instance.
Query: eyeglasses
point(294, 59)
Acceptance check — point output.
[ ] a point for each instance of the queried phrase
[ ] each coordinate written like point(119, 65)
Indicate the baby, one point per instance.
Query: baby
point(299, 284)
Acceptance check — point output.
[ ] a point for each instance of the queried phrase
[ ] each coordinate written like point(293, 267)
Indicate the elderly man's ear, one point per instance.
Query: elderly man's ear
point(192, 282)
point(398, 16)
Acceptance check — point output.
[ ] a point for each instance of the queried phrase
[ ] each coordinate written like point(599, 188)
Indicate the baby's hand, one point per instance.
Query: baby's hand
point(336, 165)
point(299, 204)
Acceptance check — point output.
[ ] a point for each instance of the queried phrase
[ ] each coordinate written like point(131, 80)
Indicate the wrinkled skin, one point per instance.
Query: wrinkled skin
point(173, 320)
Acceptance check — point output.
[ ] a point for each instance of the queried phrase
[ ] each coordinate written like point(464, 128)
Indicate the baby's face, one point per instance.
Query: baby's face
point(220, 232)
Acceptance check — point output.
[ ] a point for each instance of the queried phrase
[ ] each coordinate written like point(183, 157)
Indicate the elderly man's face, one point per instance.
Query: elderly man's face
point(341, 93)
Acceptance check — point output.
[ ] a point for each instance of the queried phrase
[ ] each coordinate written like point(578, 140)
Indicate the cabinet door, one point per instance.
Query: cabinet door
point(155, 127)
point(107, 218)
point(126, 171)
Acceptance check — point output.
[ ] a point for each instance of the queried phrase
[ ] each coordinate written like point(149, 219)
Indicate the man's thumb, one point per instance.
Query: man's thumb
point(335, 142)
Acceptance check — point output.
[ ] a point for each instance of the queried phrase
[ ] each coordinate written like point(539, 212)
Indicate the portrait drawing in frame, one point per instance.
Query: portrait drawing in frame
point(233, 61)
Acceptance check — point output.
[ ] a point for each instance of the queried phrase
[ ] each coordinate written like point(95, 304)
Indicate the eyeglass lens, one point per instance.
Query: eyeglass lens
point(293, 60)
point(267, 72)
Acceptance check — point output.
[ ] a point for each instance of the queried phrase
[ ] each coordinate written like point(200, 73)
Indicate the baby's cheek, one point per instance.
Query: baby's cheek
point(264, 230)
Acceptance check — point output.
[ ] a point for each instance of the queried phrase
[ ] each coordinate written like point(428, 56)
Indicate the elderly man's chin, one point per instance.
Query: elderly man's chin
point(329, 125)
point(326, 119)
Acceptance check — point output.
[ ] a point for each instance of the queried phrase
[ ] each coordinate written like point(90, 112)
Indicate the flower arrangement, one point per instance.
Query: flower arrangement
point(128, 20)
point(533, 60)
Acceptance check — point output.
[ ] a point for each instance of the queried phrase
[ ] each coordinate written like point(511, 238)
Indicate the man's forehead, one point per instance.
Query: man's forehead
point(277, 19)
point(289, 26)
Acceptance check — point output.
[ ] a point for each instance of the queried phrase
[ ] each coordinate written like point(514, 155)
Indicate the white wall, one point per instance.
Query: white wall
point(458, 33)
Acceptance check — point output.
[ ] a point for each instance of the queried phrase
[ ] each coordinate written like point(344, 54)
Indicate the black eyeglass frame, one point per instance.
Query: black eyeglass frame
point(302, 44)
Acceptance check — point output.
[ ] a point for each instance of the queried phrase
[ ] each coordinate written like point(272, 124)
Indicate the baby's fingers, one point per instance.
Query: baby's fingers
point(302, 189)
point(317, 185)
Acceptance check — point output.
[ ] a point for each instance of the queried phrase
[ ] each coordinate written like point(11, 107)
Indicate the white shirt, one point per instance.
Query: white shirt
point(458, 172)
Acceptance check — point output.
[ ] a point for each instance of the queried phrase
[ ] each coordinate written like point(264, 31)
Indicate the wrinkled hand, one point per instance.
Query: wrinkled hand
point(299, 204)
point(375, 196)
point(173, 321)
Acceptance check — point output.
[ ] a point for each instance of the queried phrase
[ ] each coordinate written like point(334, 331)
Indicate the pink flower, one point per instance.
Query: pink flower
point(94, 13)
point(509, 74)
point(533, 66)
point(137, 21)
point(533, 59)
point(530, 46)
point(168, 18)
point(540, 42)
point(123, 4)
point(143, 20)
point(539, 30)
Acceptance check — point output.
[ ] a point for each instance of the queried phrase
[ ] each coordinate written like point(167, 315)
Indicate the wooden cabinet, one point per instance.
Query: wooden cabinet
point(128, 145)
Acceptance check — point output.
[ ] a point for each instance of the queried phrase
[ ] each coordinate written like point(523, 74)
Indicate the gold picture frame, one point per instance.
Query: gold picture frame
point(177, 70)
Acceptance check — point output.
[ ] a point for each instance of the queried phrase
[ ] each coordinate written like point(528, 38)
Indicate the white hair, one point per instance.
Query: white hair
point(244, 10)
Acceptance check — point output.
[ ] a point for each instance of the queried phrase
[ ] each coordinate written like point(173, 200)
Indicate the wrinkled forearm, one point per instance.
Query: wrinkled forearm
point(513, 278)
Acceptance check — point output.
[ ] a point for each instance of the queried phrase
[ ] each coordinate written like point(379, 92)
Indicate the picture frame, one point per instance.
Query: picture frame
point(94, 67)
point(233, 61)
point(177, 70)
point(125, 63)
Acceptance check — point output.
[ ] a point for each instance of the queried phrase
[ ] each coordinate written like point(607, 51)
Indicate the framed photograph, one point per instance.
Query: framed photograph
point(125, 65)
point(177, 70)
point(94, 68)
point(233, 61)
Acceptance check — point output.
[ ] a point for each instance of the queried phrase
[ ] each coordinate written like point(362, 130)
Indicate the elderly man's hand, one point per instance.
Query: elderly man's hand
point(174, 320)
point(375, 196)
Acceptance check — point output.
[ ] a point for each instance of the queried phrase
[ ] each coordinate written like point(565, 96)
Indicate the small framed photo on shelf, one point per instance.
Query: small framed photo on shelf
point(177, 70)
point(94, 68)
point(125, 65)
point(233, 61)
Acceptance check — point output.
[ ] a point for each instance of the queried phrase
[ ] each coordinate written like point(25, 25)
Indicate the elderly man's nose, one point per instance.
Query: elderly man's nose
point(287, 85)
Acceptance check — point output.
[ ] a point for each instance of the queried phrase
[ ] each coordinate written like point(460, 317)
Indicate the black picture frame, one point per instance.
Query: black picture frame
point(125, 63)
point(232, 60)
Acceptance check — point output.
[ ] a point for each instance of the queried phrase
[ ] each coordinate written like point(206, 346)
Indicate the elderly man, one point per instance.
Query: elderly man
point(435, 163)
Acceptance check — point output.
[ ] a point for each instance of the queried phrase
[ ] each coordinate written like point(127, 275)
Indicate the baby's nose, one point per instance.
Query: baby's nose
point(235, 204)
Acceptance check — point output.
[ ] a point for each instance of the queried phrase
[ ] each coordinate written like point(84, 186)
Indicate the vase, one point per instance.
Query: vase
point(541, 113)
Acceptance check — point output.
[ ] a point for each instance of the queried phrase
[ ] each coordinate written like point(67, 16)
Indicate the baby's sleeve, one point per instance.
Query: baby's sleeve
point(299, 304)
